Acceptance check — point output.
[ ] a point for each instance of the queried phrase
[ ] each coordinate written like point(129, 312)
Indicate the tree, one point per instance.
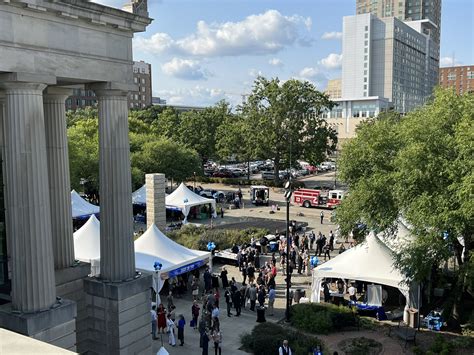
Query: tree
point(420, 167)
point(285, 121)
point(165, 156)
point(198, 129)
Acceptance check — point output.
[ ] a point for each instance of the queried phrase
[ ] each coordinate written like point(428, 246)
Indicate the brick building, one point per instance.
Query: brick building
point(459, 78)
point(142, 78)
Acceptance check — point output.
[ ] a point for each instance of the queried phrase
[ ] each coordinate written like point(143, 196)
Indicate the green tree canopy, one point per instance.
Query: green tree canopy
point(284, 120)
point(420, 167)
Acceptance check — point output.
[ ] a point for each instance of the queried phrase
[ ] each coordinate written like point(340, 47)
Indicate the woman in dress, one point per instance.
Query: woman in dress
point(171, 336)
point(225, 280)
point(161, 313)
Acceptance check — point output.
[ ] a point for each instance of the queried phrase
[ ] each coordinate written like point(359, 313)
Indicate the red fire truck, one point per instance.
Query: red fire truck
point(317, 198)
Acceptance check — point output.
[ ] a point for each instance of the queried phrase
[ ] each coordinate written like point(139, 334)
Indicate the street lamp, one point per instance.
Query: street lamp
point(194, 181)
point(288, 193)
point(336, 126)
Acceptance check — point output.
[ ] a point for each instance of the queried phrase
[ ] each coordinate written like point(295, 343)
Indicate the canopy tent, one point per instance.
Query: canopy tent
point(87, 244)
point(155, 247)
point(81, 208)
point(139, 198)
point(184, 199)
point(371, 261)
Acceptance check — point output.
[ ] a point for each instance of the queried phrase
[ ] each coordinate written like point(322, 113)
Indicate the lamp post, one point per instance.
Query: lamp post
point(194, 182)
point(288, 193)
point(336, 126)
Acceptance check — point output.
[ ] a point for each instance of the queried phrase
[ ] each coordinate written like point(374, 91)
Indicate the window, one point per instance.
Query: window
point(356, 114)
point(366, 28)
point(365, 87)
point(470, 74)
point(365, 80)
point(366, 35)
point(365, 57)
point(135, 80)
point(365, 72)
point(143, 89)
point(365, 50)
point(365, 65)
point(452, 76)
point(143, 80)
point(135, 96)
point(366, 43)
point(143, 97)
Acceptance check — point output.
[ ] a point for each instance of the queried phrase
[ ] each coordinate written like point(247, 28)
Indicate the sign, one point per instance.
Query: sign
point(186, 268)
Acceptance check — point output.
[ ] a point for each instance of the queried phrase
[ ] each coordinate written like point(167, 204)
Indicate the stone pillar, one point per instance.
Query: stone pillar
point(59, 175)
point(118, 303)
point(117, 256)
point(155, 200)
point(28, 207)
point(34, 310)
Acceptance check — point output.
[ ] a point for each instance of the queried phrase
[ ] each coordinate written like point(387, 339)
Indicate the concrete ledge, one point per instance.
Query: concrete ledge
point(79, 271)
point(30, 324)
point(117, 291)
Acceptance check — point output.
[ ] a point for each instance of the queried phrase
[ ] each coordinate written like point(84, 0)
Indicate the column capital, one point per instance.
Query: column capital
point(111, 89)
point(56, 93)
point(21, 77)
point(16, 86)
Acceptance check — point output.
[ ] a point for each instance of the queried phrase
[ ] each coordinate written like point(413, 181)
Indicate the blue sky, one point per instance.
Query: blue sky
point(202, 51)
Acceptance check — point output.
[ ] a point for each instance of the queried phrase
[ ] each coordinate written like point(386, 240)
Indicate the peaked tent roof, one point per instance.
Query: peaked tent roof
point(184, 198)
point(370, 261)
point(80, 207)
point(87, 241)
point(139, 196)
point(153, 246)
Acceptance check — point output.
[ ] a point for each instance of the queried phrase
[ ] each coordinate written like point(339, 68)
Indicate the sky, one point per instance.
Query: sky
point(202, 51)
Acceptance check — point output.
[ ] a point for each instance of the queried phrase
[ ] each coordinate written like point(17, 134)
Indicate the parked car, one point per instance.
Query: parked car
point(219, 196)
point(207, 193)
point(224, 173)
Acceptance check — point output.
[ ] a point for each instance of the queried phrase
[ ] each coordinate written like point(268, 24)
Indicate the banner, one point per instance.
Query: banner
point(186, 268)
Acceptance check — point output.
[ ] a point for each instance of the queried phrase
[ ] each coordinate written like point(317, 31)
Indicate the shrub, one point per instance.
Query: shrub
point(323, 319)
point(197, 237)
point(266, 338)
point(361, 346)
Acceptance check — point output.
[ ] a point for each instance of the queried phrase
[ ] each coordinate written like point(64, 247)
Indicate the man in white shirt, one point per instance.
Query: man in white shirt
point(285, 349)
point(352, 293)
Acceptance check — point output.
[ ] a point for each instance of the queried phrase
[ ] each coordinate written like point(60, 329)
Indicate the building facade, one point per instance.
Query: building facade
point(142, 78)
point(388, 58)
point(461, 78)
point(81, 98)
point(334, 88)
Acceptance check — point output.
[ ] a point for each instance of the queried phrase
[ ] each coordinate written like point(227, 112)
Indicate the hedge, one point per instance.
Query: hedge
point(266, 338)
point(197, 237)
point(321, 318)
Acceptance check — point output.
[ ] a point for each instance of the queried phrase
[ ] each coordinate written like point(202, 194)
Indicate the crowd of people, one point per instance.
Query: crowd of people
point(256, 289)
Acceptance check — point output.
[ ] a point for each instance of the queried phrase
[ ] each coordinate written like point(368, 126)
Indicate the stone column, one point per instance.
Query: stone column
point(59, 175)
point(155, 200)
point(117, 255)
point(28, 216)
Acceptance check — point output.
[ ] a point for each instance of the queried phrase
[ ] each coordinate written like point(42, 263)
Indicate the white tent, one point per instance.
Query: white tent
point(139, 196)
point(153, 246)
point(80, 207)
point(184, 199)
point(87, 244)
point(370, 261)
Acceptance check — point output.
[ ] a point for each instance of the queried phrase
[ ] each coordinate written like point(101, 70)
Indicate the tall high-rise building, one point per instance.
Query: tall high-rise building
point(406, 10)
point(333, 88)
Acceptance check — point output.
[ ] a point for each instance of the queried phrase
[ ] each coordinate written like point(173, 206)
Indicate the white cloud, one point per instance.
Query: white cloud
point(255, 72)
point(260, 34)
point(196, 96)
point(448, 62)
point(314, 75)
point(332, 61)
point(332, 35)
point(184, 69)
point(275, 62)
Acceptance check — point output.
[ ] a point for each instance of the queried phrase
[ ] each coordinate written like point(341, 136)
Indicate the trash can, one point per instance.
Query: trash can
point(297, 295)
point(261, 314)
point(273, 247)
point(413, 318)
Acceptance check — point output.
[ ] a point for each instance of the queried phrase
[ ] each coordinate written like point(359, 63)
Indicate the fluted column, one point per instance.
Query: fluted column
point(58, 173)
point(117, 256)
point(28, 215)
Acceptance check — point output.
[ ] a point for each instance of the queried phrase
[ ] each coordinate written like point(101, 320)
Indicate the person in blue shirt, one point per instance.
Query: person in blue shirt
point(181, 324)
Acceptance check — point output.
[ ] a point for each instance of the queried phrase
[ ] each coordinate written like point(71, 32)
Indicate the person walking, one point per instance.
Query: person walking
point(326, 250)
point(237, 298)
point(322, 216)
point(284, 349)
point(207, 280)
point(195, 313)
point(271, 300)
point(170, 330)
point(224, 279)
point(331, 240)
point(181, 324)
point(195, 288)
point(261, 296)
point(217, 338)
point(161, 315)
point(154, 320)
point(205, 342)
point(228, 301)
point(252, 297)
point(170, 301)
point(244, 274)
